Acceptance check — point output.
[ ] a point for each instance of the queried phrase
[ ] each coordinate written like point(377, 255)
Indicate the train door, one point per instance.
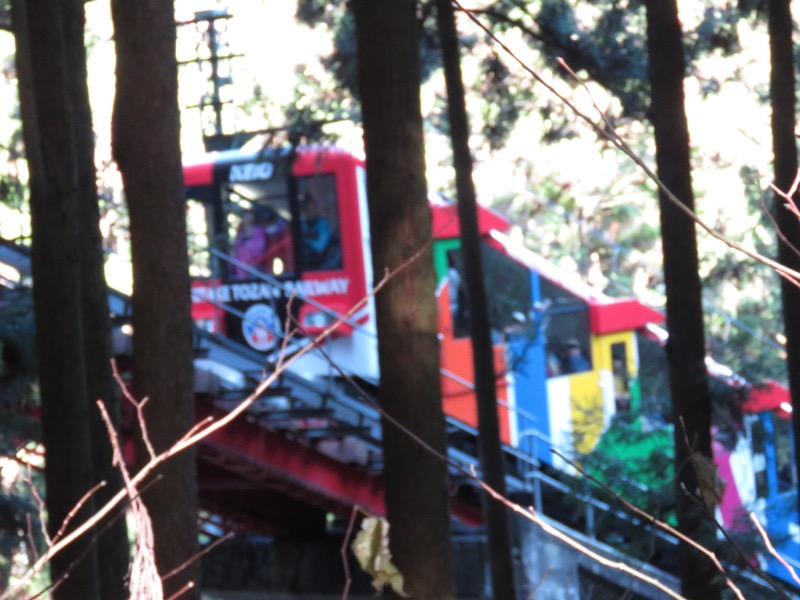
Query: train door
point(573, 395)
point(256, 232)
point(617, 360)
point(773, 451)
point(509, 299)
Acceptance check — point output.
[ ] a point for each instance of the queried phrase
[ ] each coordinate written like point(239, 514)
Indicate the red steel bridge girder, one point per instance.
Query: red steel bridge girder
point(301, 470)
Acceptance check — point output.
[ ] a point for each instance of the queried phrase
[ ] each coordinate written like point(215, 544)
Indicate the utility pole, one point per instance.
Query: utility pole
point(213, 58)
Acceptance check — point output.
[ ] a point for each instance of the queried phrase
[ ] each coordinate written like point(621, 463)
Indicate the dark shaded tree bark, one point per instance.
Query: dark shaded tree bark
point(146, 128)
point(490, 449)
point(784, 150)
point(415, 481)
point(94, 347)
point(691, 401)
point(50, 120)
point(112, 545)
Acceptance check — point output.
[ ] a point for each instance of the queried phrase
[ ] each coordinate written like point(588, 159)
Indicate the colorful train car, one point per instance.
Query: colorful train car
point(566, 353)
point(282, 233)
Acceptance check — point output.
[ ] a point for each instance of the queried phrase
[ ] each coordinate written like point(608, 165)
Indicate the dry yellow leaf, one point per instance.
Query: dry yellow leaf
point(371, 549)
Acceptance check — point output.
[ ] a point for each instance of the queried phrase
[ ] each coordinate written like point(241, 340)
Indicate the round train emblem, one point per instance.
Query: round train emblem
point(259, 327)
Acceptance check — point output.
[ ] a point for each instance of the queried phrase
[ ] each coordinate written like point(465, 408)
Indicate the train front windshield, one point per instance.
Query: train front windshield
point(279, 227)
point(258, 228)
point(252, 222)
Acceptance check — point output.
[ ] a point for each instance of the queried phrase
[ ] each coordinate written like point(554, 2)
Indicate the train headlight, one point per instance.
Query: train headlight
point(317, 321)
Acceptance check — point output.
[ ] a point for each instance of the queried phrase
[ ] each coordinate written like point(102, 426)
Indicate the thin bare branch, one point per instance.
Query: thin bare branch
point(544, 576)
point(28, 480)
point(790, 206)
point(772, 549)
point(610, 135)
point(29, 535)
point(145, 582)
point(197, 427)
point(138, 405)
point(187, 442)
point(76, 509)
point(348, 580)
point(531, 514)
point(189, 586)
point(666, 527)
point(197, 556)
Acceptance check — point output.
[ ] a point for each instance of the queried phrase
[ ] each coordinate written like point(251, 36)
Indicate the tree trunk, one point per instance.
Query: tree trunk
point(415, 481)
point(146, 129)
point(49, 124)
point(490, 449)
point(691, 400)
point(784, 150)
point(112, 545)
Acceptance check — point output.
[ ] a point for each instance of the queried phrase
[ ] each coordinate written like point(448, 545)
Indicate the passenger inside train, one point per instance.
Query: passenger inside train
point(263, 242)
point(250, 243)
point(318, 249)
point(574, 361)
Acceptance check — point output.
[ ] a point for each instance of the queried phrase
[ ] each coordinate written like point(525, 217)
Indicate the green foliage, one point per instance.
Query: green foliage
point(501, 105)
point(313, 107)
point(314, 12)
point(604, 41)
point(637, 462)
point(747, 344)
point(743, 312)
point(13, 190)
point(717, 32)
point(610, 49)
point(635, 465)
point(342, 61)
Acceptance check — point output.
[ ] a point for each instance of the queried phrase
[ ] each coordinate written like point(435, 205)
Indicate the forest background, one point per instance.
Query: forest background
point(588, 206)
point(574, 198)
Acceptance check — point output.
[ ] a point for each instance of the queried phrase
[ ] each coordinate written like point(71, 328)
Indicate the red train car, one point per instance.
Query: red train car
point(285, 231)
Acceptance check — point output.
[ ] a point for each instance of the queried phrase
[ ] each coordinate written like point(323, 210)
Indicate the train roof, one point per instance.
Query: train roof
point(446, 223)
point(768, 395)
point(306, 159)
point(606, 314)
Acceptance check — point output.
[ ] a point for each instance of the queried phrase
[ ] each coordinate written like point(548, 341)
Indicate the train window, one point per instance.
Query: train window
point(567, 332)
point(260, 224)
point(758, 444)
point(656, 406)
point(320, 246)
point(784, 459)
point(458, 294)
point(619, 365)
point(198, 237)
point(508, 288)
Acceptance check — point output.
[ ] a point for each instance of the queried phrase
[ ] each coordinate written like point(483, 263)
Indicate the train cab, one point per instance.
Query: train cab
point(565, 354)
point(280, 245)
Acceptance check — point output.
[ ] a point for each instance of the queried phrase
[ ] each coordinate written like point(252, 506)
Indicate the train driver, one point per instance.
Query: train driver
point(317, 234)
